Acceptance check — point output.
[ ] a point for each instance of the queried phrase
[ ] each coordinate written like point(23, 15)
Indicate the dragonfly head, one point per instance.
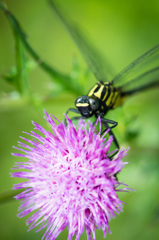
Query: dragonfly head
point(87, 105)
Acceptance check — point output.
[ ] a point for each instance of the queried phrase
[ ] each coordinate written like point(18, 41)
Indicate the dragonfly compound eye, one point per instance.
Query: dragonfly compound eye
point(83, 105)
point(94, 103)
point(82, 102)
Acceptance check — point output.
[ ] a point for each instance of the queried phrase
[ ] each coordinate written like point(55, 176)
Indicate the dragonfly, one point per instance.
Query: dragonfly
point(106, 94)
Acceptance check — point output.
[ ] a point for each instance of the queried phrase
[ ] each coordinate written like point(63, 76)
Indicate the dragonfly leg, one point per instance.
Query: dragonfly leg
point(77, 118)
point(105, 123)
point(71, 110)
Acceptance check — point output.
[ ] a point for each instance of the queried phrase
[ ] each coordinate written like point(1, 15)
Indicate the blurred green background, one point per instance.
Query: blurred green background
point(122, 31)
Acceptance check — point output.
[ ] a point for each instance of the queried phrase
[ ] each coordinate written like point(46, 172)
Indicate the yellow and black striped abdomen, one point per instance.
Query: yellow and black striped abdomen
point(108, 96)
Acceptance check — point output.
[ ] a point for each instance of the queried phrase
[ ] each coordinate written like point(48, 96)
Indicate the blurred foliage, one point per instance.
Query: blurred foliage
point(122, 31)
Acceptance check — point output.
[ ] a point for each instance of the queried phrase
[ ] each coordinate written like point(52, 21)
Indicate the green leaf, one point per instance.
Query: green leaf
point(10, 76)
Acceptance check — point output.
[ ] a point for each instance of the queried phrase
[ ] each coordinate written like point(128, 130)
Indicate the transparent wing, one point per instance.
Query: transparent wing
point(100, 68)
point(144, 71)
point(146, 80)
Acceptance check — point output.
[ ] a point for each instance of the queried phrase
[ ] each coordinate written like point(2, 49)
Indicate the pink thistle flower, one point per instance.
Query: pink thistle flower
point(71, 180)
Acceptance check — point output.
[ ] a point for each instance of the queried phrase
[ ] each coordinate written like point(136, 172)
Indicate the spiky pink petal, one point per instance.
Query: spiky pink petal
point(71, 182)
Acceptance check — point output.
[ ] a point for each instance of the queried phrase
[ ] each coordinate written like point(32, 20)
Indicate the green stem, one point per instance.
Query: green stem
point(8, 196)
point(59, 77)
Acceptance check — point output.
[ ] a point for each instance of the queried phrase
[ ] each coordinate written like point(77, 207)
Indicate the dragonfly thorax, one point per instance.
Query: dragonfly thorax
point(87, 105)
